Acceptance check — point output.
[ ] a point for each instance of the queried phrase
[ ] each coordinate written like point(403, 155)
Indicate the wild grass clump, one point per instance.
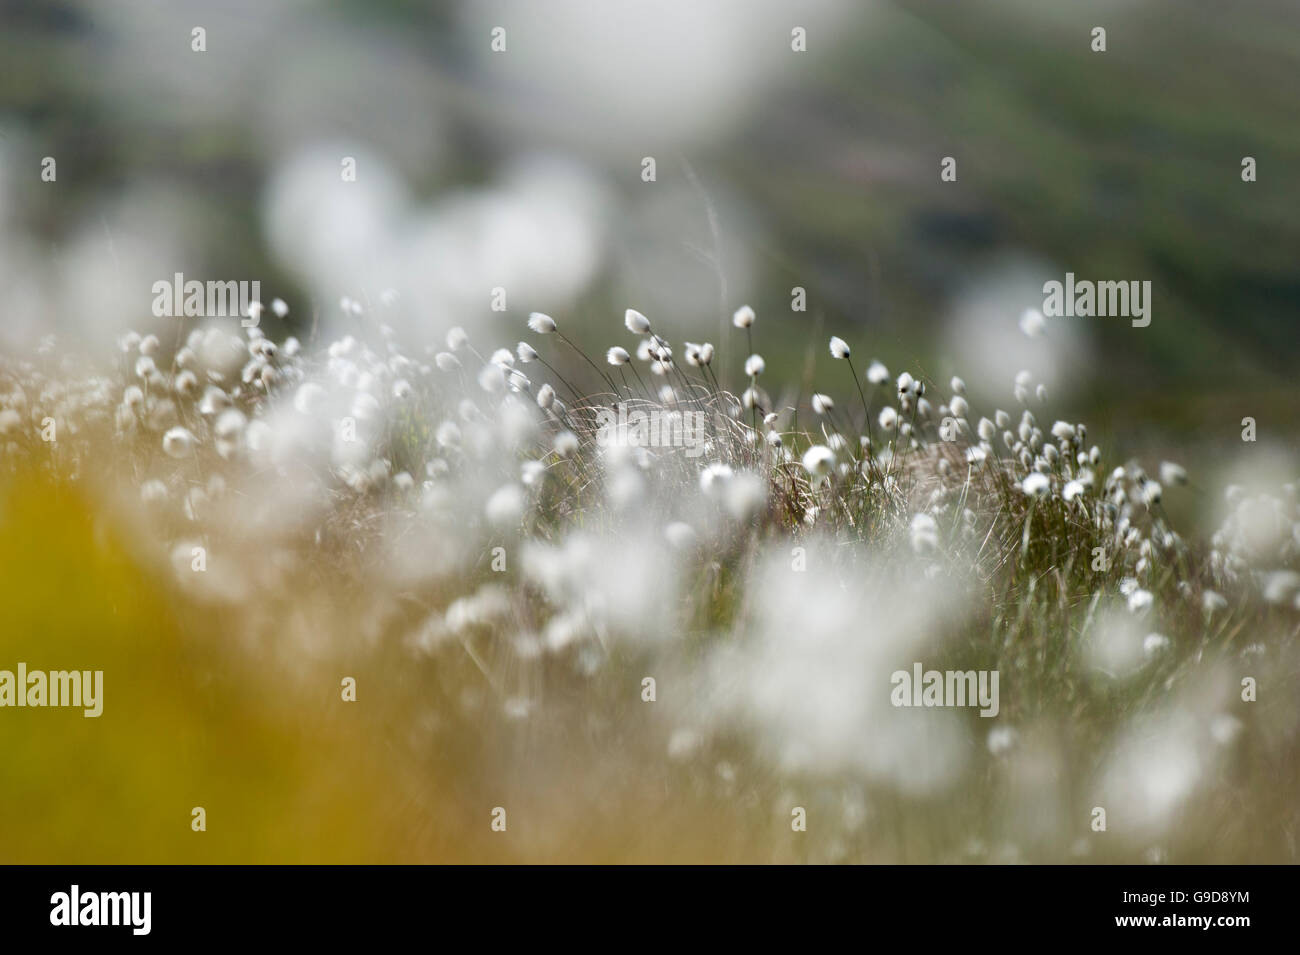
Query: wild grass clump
point(530, 534)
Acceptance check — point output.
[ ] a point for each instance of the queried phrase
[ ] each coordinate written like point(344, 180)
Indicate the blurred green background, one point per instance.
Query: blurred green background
point(1122, 164)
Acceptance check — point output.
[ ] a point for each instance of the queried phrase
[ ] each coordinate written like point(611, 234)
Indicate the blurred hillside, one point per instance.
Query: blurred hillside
point(775, 169)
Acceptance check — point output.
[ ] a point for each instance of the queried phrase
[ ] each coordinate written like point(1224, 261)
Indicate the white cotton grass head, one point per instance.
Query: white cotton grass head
point(1172, 474)
point(1036, 485)
point(755, 366)
point(526, 352)
point(714, 477)
point(877, 374)
point(822, 403)
point(636, 323)
point(1032, 323)
point(1152, 492)
point(923, 532)
point(1212, 602)
point(839, 347)
point(179, 442)
point(457, 338)
point(228, 431)
point(1063, 431)
point(566, 444)
point(888, 418)
point(617, 356)
point(492, 378)
point(505, 508)
point(819, 462)
point(545, 396)
point(446, 361)
point(743, 317)
point(541, 323)
point(1155, 644)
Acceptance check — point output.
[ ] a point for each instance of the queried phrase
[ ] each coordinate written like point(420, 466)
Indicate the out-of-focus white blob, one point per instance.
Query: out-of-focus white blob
point(536, 231)
point(600, 75)
point(985, 325)
point(809, 675)
point(1153, 769)
point(1114, 643)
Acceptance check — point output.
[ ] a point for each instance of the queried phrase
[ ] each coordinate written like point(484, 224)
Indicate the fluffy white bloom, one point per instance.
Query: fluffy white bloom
point(1002, 739)
point(179, 442)
point(1212, 602)
point(446, 361)
point(819, 461)
point(987, 430)
point(309, 398)
point(1280, 586)
point(754, 365)
point(1155, 643)
point(1036, 485)
point(839, 347)
point(1063, 431)
point(280, 307)
point(888, 418)
point(959, 407)
point(526, 352)
point(713, 477)
point(822, 403)
point(924, 533)
point(877, 374)
point(617, 356)
point(1171, 473)
point(1140, 601)
point(541, 323)
point(636, 323)
point(566, 444)
point(1152, 492)
point(1072, 490)
point(743, 317)
point(457, 339)
point(505, 507)
point(227, 430)
point(1032, 322)
point(448, 434)
point(680, 535)
point(545, 396)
